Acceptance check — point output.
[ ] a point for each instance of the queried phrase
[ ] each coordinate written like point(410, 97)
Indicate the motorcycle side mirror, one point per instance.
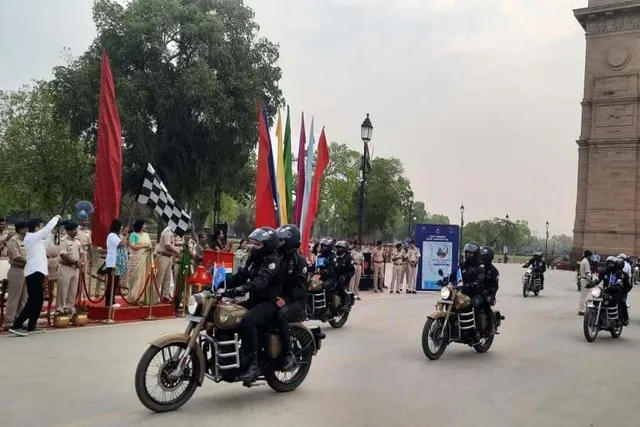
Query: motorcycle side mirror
point(440, 272)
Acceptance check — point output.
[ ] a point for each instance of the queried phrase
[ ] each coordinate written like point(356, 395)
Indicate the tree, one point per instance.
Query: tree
point(188, 76)
point(497, 232)
point(43, 166)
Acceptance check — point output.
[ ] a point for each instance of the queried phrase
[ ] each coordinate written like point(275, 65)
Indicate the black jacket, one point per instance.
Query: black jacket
point(473, 277)
point(262, 278)
point(328, 271)
point(492, 279)
point(293, 277)
point(605, 279)
point(344, 268)
point(535, 263)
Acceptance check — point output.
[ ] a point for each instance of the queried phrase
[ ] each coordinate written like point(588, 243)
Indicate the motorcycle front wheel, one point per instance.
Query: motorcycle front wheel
point(525, 289)
point(589, 326)
point(433, 345)
point(286, 381)
point(157, 389)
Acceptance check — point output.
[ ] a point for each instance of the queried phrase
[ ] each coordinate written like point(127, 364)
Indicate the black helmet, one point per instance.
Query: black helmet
point(620, 263)
point(471, 251)
point(611, 263)
point(289, 236)
point(486, 254)
point(267, 242)
point(326, 246)
point(342, 247)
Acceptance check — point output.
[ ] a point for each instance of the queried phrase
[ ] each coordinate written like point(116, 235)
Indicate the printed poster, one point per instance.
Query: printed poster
point(439, 247)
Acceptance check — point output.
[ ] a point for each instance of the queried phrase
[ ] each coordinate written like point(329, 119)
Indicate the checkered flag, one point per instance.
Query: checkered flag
point(155, 195)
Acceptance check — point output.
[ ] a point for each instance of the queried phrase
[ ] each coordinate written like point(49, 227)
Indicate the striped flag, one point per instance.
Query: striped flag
point(288, 178)
point(282, 193)
point(265, 214)
point(308, 179)
point(297, 212)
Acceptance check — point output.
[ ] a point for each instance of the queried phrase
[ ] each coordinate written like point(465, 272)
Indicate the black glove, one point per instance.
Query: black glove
point(240, 290)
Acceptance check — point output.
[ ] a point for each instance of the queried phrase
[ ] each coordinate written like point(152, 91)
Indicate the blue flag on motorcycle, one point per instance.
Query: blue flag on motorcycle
point(612, 279)
point(458, 275)
point(219, 276)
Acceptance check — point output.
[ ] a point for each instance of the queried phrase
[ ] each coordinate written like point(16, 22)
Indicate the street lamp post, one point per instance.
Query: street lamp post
point(461, 229)
point(410, 207)
point(505, 249)
point(366, 130)
point(546, 242)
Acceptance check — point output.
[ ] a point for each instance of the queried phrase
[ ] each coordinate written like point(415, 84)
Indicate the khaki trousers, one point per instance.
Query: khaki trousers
point(354, 285)
point(67, 286)
point(396, 278)
point(17, 290)
point(165, 271)
point(378, 276)
point(411, 278)
point(584, 293)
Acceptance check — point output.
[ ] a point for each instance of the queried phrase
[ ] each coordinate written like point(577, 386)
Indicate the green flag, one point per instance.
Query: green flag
point(288, 177)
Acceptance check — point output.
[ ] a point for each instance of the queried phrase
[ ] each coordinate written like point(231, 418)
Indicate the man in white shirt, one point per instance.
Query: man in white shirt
point(35, 271)
point(627, 269)
point(585, 279)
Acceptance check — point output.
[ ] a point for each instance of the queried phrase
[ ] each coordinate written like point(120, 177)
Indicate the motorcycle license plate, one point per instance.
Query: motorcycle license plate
point(195, 319)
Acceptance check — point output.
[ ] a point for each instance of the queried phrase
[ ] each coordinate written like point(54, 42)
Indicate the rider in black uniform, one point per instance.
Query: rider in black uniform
point(538, 265)
point(293, 279)
point(259, 277)
point(344, 268)
point(491, 283)
point(473, 276)
point(617, 284)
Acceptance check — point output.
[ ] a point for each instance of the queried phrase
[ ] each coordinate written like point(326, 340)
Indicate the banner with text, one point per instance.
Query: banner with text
point(439, 247)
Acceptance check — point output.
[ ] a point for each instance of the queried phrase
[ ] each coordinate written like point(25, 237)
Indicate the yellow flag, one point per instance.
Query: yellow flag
point(282, 198)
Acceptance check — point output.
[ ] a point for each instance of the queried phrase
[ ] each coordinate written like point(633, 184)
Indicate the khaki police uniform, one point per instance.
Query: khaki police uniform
point(68, 272)
point(52, 258)
point(585, 279)
point(413, 256)
point(358, 260)
point(398, 267)
point(84, 235)
point(165, 263)
point(377, 259)
point(17, 287)
point(404, 277)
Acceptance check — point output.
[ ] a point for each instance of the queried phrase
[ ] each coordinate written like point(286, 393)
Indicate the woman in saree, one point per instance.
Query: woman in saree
point(140, 265)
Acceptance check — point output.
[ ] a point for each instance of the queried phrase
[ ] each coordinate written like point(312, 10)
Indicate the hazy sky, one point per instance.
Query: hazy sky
point(479, 98)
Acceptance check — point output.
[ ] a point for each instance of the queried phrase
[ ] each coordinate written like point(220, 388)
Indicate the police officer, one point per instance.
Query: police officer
point(259, 277)
point(4, 237)
point(491, 283)
point(84, 234)
point(377, 258)
point(344, 268)
point(538, 265)
point(398, 267)
point(473, 276)
point(358, 260)
point(413, 255)
point(71, 256)
point(15, 276)
point(293, 296)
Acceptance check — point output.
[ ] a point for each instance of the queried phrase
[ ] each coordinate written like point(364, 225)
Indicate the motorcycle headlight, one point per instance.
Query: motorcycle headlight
point(445, 292)
point(529, 271)
point(193, 304)
point(596, 292)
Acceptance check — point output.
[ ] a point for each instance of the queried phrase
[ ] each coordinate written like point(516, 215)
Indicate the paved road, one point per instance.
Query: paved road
point(540, 371)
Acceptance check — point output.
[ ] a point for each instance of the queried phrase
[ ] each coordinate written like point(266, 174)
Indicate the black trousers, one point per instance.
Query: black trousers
point(481, 305)
point(112, 279)
point(257, 318)
point(35, 299)
point(290, 312)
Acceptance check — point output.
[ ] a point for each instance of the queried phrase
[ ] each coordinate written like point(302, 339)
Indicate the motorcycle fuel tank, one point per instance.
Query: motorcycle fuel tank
point(228, 315)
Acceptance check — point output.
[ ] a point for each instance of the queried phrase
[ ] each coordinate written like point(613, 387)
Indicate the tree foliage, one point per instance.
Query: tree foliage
point(41, 163)
point(189, 76)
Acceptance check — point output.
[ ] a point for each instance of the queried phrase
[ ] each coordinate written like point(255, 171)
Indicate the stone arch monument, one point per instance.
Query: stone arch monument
point(608, 200)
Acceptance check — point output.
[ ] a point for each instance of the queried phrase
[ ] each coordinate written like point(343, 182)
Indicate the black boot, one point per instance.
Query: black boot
point(252, 371)
point(289, 361)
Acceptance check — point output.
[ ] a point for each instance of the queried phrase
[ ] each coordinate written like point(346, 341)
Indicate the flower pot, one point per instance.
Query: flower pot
point(61, 320)
point(80, 319)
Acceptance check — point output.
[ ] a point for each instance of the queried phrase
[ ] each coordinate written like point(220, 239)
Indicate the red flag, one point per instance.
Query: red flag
point(107, 186)
point(265, 208)
point(297, 212)
point(322, 162)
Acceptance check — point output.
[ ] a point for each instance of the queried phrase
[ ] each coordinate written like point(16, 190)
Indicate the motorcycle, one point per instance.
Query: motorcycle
point(454, 320)
point(211, 347)
point(319, 307)
point(602, 314)
point(531, 282)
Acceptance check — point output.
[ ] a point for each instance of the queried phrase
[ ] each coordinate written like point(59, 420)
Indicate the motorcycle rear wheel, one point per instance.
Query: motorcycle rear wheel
point(164, 382)
point(430, 327)
point(590, 332)
point(483, 347)
point(339, 320)
point(616, 332)
point(303, 353)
